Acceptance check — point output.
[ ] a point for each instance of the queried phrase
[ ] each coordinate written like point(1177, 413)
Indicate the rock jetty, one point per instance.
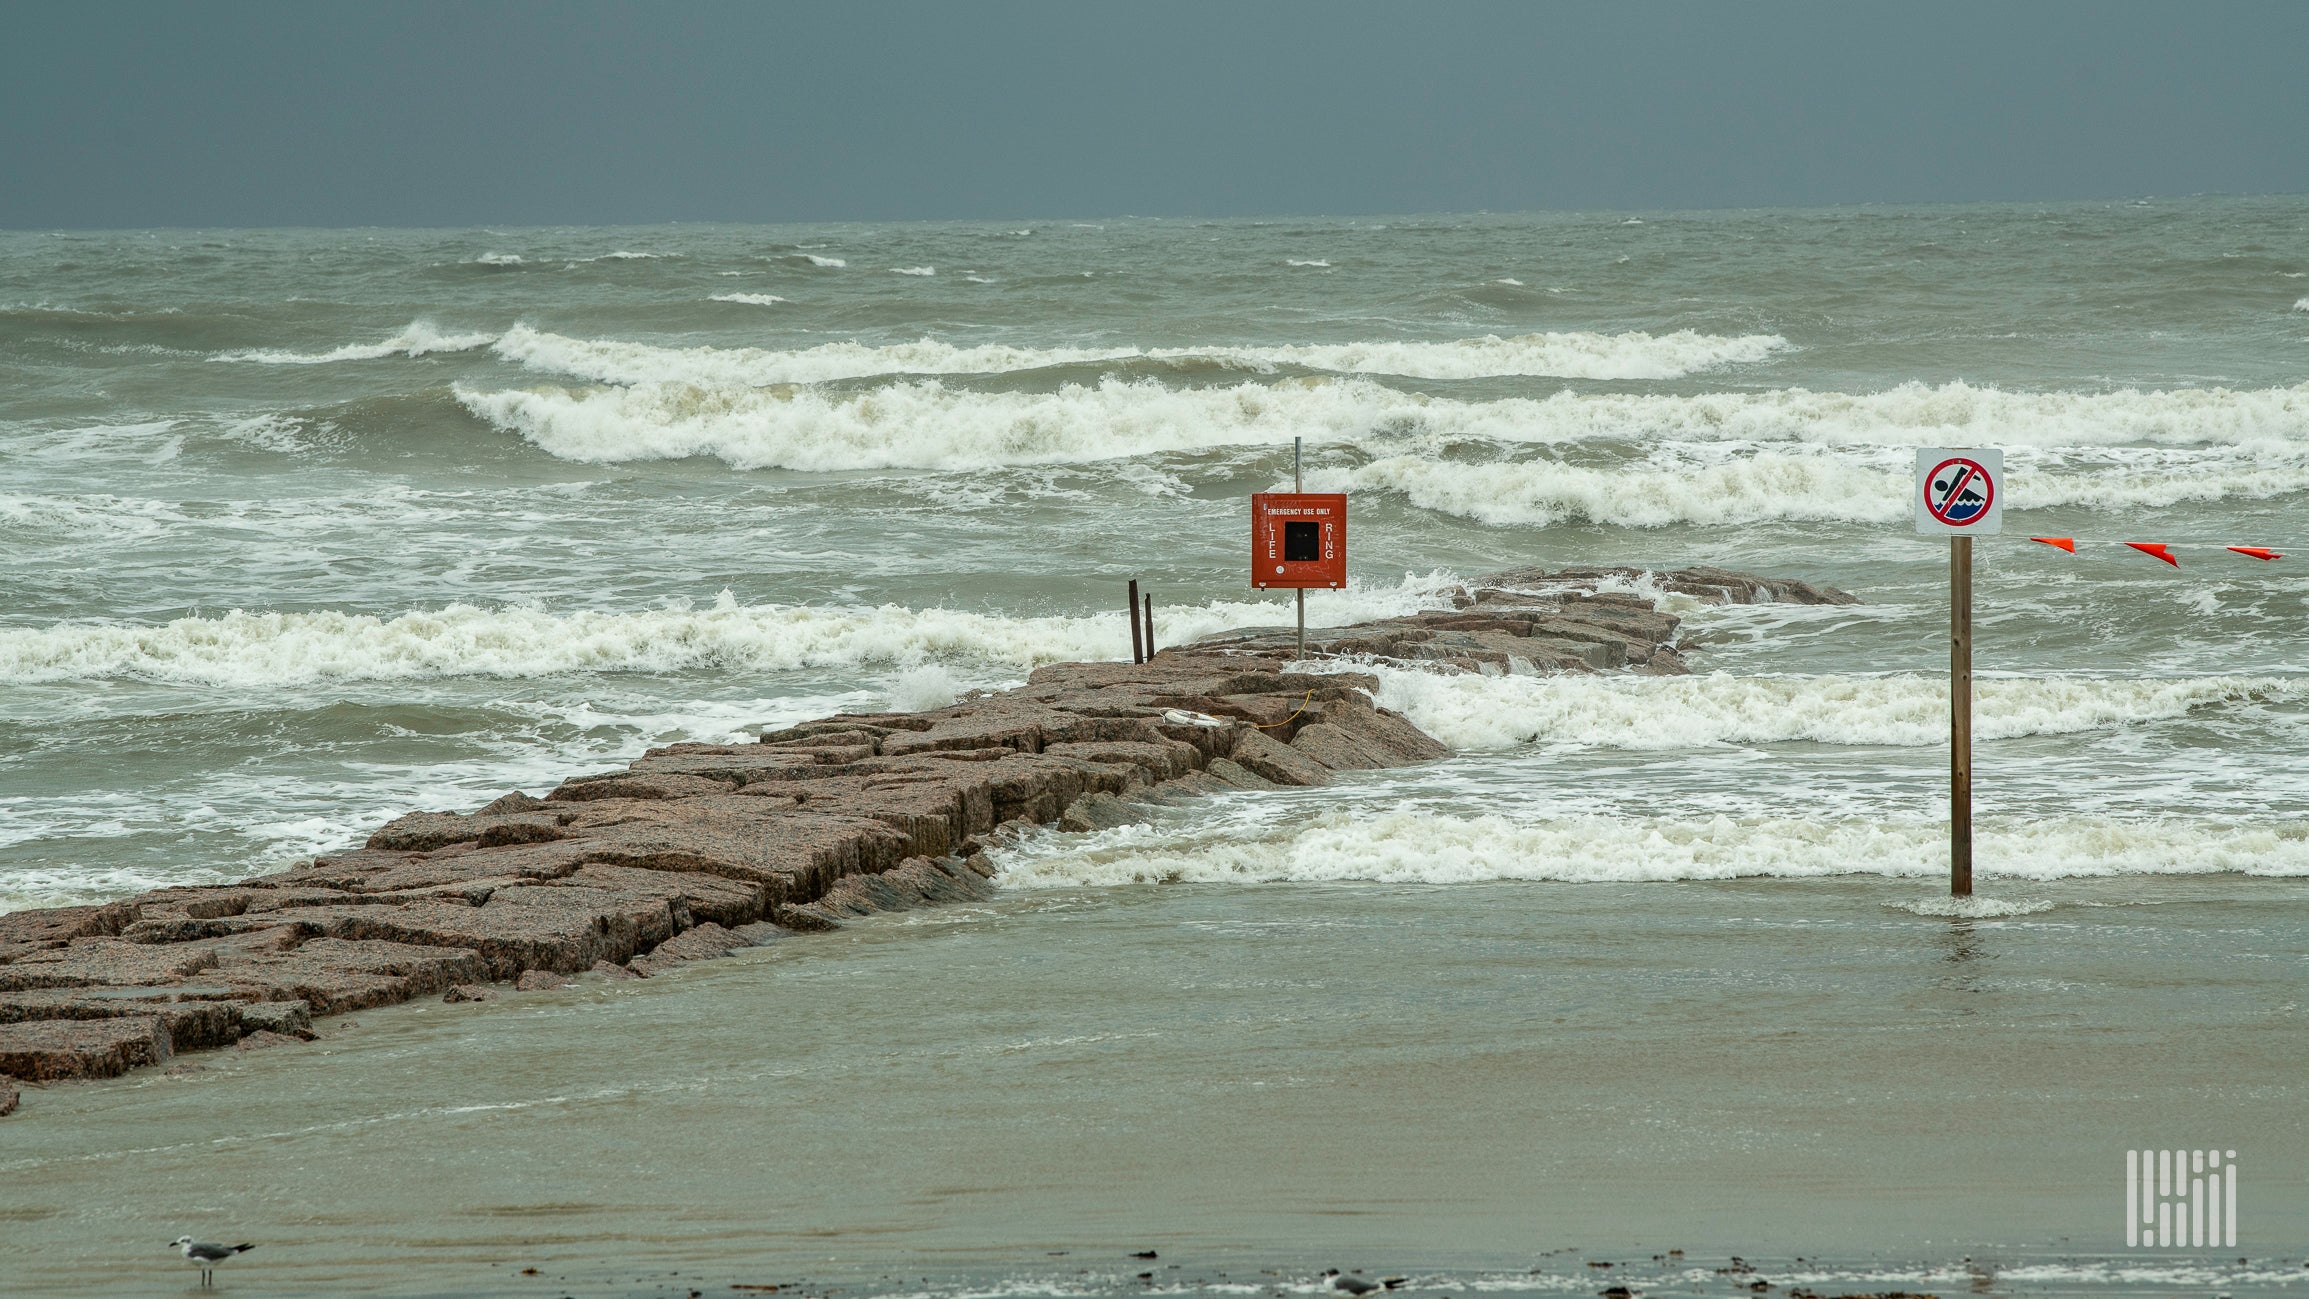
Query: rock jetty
point(696, 850)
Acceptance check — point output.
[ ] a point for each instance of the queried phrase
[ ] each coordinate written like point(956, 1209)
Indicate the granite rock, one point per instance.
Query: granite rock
point(50, 1049)
point(695, 850)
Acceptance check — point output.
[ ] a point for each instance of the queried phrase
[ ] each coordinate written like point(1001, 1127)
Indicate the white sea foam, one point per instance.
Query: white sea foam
point(1956, 414)
point(1414, 846)
point(749, 299)
point(2260, 442)
point(1972, 908)
point(1568, 355)
point(418, 338)
point(220, 822)
point(832, 262)
point(498, 259)
point(913, 270)
point(921, 688)
point(2301, 304)
point(1726, 484)
point(255, 650)
point(1295, 261)
point(922, 424)
point(1626, 712)
point(1506, 280)
point(1646, 494)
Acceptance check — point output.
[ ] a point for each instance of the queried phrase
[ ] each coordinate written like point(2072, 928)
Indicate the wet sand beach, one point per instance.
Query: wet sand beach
point(1432, 1080)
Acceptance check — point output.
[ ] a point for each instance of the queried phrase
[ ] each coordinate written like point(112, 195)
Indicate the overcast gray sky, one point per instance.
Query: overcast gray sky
point(142, 114)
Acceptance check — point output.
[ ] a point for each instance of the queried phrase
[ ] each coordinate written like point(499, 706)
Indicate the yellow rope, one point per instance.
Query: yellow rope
point(1268, 726)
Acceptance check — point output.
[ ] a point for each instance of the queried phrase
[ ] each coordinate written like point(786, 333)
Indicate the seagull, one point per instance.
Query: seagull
point(206, 1255)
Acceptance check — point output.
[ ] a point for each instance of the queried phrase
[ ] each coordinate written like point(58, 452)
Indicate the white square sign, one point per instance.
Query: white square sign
point(1959, 493)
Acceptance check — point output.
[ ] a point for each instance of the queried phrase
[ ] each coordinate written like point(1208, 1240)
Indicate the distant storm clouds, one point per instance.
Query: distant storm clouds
point(248, 114)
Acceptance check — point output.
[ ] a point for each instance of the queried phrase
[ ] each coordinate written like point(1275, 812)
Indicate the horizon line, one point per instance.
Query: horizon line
point(1267, 217)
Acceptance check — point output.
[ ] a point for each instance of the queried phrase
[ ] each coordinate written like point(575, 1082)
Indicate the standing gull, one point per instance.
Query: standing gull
point(206, 1255)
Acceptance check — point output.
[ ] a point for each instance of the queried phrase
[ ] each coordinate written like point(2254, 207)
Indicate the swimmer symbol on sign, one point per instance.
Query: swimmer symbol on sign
point(1958, 491)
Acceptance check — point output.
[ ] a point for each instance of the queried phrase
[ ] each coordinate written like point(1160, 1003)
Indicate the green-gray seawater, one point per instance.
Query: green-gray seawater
point(307, 528)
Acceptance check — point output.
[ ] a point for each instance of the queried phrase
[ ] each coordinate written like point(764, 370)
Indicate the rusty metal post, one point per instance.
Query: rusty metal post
point(1150, 640)
point(1130, 615)
point(1960, 717)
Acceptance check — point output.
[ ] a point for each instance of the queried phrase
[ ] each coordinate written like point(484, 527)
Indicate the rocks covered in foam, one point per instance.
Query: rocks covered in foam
point(695, 851)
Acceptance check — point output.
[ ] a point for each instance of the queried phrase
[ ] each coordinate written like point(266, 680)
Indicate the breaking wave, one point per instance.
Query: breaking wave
point(1421, 847)
point(256, 650)
point(922, 424)
point(1716, 485)
point(749, 299)
point(1565, 355)
point(1627, 712)
point(1711, 460)
point(420, 338)
point(1653, 493)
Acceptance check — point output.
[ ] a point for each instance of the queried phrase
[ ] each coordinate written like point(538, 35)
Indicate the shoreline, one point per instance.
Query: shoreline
point(696, 850)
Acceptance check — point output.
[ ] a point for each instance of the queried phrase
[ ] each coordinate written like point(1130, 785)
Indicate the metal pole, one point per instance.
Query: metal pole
point(1150, 641)
point(1960, 717)
point(1299, 485)
point(1130, 615)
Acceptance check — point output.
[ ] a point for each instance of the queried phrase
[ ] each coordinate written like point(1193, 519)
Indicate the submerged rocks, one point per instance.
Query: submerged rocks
point(288, 1018)
point(1099, 811)
point(703, 943)
point(695, 851)
point(52, 1049)
point(1278, 762)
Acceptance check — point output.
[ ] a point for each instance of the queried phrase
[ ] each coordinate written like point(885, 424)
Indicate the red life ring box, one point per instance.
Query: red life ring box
point(1298, 539)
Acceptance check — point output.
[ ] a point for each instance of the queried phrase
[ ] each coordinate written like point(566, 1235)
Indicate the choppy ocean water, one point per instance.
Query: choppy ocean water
point(306, 528)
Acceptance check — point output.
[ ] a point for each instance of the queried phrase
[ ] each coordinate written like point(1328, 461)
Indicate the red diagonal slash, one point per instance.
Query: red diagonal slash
point(1948, 502)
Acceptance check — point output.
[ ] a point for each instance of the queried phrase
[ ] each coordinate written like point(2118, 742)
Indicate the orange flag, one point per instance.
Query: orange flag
point(2065, 543)
point(2257, 552)
point(2155, 548)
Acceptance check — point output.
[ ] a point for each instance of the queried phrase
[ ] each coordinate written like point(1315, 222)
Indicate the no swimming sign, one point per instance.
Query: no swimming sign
point(1959, 492)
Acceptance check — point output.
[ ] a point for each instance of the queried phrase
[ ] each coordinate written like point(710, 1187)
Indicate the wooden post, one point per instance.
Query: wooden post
point(1130, 615)
point(1960, 717)
point(1150, 642)
point(1298, 484)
